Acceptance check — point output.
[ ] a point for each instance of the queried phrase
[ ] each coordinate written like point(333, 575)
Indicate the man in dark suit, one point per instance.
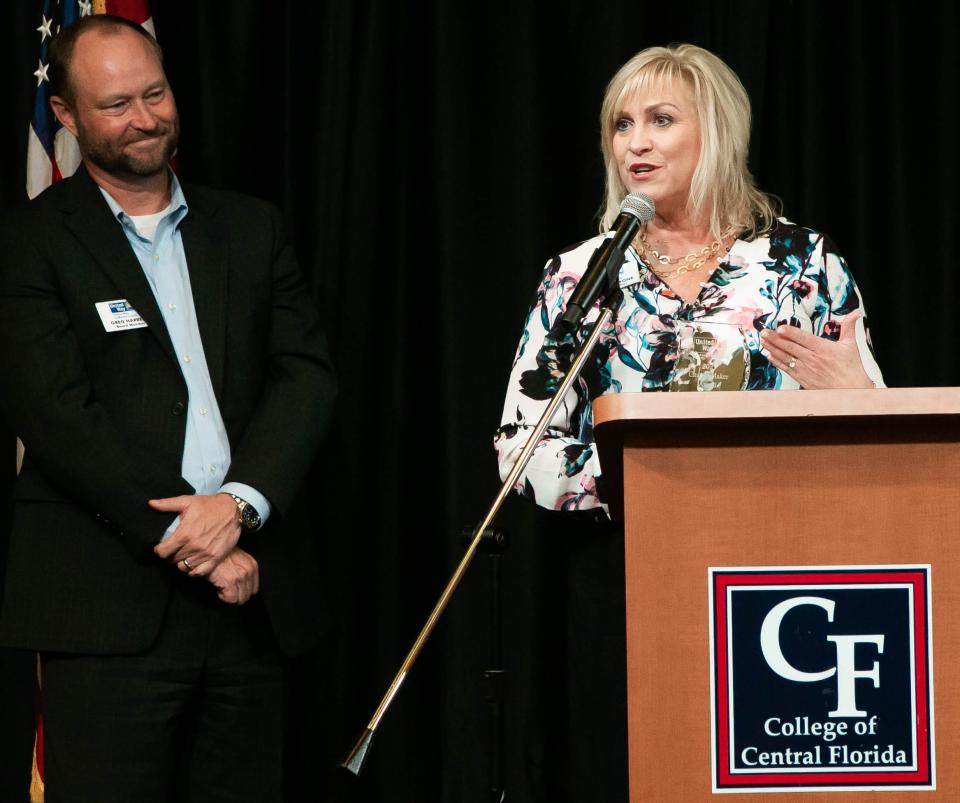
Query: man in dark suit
point(164, 366)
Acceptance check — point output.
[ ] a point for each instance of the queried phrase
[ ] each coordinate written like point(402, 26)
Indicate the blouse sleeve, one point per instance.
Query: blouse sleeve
point(562, 473)
point(838, 297)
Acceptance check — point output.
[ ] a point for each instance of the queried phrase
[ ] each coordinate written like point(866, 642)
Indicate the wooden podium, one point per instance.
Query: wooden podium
point(772, 479)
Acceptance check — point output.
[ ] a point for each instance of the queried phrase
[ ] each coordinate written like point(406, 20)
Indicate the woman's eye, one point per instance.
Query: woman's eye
point(662, 119)
point(622, 124)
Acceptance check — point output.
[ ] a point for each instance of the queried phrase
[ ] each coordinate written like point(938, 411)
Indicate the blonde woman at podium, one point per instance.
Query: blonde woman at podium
point(718, 291)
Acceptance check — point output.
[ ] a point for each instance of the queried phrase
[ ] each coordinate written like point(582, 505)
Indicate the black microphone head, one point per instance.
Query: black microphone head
point(639, 205)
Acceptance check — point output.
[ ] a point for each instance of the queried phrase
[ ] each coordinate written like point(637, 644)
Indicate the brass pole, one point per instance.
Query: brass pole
point(354, 761)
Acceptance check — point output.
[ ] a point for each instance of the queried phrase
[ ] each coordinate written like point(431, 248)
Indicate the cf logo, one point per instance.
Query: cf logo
point(845, 667)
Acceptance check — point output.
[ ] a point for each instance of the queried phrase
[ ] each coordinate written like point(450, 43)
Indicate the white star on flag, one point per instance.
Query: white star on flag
point(41, 73)
point(86, 8)
point(44, 29)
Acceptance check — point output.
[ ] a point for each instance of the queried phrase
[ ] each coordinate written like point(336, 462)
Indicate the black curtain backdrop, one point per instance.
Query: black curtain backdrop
point(429, 159)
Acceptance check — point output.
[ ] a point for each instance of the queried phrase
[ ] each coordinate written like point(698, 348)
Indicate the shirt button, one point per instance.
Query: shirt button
point(213, 469)
point(203, 411)
point(187, 358)
point(156, 257)
point(171, 306)
point(178, 408)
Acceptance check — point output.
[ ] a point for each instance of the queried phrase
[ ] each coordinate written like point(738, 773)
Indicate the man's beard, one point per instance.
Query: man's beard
point(111, 157)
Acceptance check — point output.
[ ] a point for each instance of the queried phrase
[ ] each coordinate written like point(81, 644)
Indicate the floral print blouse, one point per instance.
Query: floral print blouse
point(791, 276)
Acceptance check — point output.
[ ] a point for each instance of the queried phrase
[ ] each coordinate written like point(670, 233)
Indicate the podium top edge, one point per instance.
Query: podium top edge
point(623, 407)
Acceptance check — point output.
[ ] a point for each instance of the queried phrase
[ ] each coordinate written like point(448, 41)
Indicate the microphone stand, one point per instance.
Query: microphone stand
point(357, 756)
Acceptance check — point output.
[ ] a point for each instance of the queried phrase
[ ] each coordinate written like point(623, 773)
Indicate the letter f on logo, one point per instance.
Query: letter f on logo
point(847, 674)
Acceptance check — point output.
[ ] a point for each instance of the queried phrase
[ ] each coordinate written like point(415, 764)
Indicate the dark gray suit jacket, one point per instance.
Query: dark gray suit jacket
point(103, 414)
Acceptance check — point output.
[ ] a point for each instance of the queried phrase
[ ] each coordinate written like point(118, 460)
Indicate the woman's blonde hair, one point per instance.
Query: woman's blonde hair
point(722, 185)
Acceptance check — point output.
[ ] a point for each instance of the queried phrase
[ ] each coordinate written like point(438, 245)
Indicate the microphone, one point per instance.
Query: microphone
point(635, 210)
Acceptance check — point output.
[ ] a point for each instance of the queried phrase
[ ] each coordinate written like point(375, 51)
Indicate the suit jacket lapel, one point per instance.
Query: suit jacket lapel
point(207, 260)
point(90, 219)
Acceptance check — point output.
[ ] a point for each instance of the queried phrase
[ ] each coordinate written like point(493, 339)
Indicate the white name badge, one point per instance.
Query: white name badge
point(629, 274)
point(118, 316)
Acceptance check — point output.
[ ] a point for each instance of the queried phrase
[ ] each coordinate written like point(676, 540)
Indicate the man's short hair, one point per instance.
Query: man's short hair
point(62, 45)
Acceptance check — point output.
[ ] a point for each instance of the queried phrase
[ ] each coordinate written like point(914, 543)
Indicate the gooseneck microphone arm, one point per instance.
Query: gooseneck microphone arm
point(356, 758)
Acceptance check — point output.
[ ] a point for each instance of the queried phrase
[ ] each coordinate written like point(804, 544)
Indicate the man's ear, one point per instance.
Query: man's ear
point(64, 113)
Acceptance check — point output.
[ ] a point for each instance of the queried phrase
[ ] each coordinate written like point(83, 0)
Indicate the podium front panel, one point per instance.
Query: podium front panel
point(832, 492)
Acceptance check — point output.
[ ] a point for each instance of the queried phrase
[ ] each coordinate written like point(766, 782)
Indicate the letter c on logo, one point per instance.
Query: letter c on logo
point(770, 639)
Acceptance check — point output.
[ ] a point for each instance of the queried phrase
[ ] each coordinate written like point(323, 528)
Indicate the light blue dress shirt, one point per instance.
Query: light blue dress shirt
point(206, 448)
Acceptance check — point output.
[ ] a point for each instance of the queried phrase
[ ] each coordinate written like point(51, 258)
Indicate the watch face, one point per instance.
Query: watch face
point(250, 519)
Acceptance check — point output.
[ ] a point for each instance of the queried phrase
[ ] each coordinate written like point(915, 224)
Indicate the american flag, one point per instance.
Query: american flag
point(53, 154)
point(52, 151)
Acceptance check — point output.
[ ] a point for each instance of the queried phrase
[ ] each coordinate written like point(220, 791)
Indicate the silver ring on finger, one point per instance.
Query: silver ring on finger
point(186, 563)
point(792, 364)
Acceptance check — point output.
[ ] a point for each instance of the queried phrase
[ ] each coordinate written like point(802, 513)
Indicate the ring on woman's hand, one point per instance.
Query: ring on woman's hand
point(791, 364)
point(186, 563)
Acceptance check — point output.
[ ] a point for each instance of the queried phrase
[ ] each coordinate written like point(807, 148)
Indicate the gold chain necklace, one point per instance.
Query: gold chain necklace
point(690, 263)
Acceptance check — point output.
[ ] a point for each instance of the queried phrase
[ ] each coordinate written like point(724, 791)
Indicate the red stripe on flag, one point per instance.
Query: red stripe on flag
point(135, 10)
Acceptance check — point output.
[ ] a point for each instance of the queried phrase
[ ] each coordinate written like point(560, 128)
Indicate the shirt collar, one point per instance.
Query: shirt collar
point(177, 209)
